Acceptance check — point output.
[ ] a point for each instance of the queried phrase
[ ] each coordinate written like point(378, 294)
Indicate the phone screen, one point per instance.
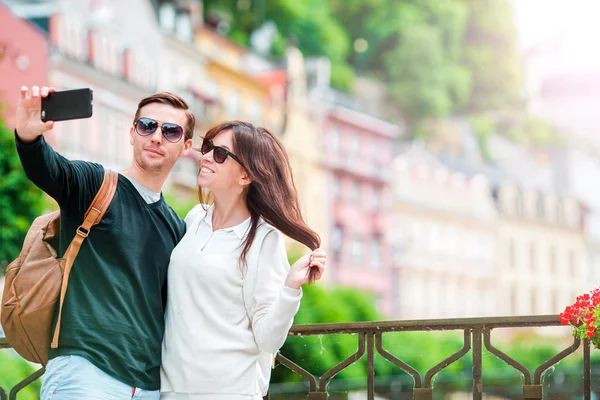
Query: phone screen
point(67, 105)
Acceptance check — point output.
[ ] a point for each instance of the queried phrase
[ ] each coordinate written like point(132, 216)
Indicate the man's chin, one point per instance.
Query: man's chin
point(153, 167)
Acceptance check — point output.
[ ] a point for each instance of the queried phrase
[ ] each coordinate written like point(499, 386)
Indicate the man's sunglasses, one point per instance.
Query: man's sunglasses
point(220, 154)
point(170, 131)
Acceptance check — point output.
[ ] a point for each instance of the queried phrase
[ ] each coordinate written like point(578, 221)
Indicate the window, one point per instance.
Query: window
point(420, 236)
point(337, 241)
point(356, 250)
point(374, 149)
point(434, 239)
point(254, 111)
point(354, 145)
point(512, 258)
point(553, 269)
point(560, 213)
point(334, 136)
point(375, 200)
point(212, 88)
point(233, 103)
point(449, 242)
point(532, 256)
point(534, 305)
point(540, 207)
point(376, 253)
point(556, 306)
point(572, 263)
point(513, 301)
point(112, 135)
point(337, 188)
point(519, 209)
point(355, 192)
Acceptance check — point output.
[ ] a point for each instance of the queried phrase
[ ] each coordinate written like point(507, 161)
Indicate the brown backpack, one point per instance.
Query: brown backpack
point(37, 279)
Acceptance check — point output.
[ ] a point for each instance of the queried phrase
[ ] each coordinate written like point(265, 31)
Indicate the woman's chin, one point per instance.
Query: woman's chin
point(204, 181)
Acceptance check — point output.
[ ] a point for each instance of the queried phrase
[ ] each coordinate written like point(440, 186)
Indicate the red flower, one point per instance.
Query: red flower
point(582, 315)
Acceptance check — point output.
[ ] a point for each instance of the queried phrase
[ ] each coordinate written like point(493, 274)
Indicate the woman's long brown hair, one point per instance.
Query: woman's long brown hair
point(272, 193)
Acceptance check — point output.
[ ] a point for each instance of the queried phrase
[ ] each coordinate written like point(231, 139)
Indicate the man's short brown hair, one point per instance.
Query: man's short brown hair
point(174, 101)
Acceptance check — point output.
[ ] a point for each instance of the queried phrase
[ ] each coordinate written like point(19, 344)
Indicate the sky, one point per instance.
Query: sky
point(575, 22)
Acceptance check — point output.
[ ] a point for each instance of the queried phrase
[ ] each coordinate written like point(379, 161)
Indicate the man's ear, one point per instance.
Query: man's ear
point(131, 133)
point(186, 147)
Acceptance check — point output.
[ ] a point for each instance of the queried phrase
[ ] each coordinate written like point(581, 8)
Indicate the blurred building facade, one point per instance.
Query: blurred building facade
point(444, 239)
point(356, 151)
point(235, 80)
point(23, 60)
point(96, 44)
point(301, 136)
point(542, 250)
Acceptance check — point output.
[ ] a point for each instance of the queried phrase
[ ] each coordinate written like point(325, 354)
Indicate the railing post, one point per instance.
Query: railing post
point(532, 392)
point(318, 396)
point(423, 394)
point(477, 334)
point(370, 367)
point(587, 371)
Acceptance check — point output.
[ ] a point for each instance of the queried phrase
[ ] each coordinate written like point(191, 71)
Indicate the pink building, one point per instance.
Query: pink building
point(357, 160)
point(23, 60)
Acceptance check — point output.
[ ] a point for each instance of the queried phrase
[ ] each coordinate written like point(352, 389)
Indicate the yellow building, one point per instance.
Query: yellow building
point(233, 79)
point(302, 138)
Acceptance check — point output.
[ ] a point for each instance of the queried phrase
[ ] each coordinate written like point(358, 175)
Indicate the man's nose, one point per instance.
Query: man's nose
point(157, 136)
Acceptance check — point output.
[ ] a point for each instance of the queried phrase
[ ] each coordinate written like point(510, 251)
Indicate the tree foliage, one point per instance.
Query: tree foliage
point(309, 24)
point(181, 204)
point(13, 369)
point(438, 58)
point(20, 201)
point(492, 56)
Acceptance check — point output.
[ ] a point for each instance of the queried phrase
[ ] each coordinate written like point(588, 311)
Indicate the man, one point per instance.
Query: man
point(113, 316)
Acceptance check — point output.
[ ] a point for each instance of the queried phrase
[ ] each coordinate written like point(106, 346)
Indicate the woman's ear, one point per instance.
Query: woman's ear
point(245, 180)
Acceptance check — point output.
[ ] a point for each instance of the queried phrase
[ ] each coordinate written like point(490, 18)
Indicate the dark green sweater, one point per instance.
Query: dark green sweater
point(113, 313)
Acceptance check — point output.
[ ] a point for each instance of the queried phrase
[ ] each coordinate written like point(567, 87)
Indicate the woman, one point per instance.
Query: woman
point(232, 294)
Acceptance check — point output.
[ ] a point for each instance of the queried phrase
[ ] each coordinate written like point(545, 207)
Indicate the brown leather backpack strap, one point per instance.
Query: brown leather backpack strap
point(93, 216)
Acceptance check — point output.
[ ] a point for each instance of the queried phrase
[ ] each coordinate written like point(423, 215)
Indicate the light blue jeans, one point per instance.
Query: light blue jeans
point(75, 378)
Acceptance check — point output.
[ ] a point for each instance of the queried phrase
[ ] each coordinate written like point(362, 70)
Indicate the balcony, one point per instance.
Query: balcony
point(476, 336)
point(358, 167)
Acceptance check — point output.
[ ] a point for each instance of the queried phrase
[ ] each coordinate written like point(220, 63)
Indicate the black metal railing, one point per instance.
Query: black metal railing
point(476, 332)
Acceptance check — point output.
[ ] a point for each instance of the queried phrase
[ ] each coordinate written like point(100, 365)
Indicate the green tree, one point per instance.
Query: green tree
point(309, 24)
point(13, 369)
point(416, 47)
point(438, 58)
point(181, 204)
point(492, 55)
point(20, 201)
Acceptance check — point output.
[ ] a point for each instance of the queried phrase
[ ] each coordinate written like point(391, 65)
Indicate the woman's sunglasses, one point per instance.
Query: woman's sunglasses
point(170, 131)
point(220, 154)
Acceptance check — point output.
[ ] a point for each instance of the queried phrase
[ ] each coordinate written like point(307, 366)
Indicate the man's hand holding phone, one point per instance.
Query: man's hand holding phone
point(39, 108)
point(29, 122)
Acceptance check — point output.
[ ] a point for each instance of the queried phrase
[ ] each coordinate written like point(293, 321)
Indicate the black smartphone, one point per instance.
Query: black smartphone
point(67, 104)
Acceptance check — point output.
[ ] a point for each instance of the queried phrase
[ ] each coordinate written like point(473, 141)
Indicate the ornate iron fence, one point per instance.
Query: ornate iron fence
point(477, 334)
